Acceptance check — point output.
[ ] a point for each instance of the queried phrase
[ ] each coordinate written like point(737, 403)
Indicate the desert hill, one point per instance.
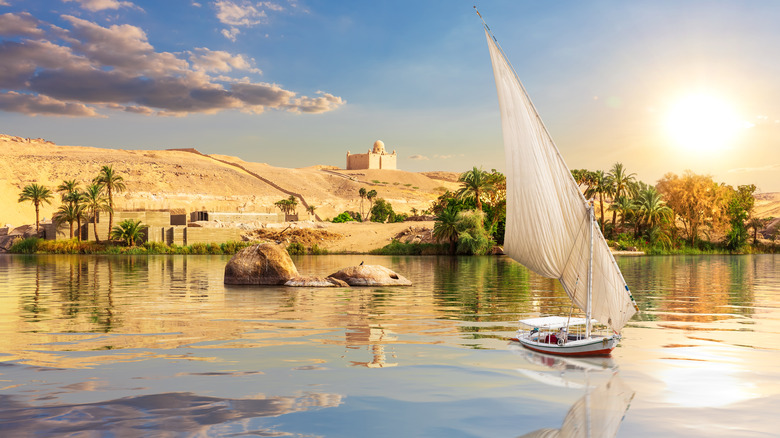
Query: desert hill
point(167, 179)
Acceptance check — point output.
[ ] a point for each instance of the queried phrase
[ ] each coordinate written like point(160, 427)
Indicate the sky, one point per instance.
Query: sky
point(661, 86)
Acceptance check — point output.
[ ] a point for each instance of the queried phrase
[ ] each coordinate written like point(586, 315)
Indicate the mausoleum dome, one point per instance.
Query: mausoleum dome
point(379, 147)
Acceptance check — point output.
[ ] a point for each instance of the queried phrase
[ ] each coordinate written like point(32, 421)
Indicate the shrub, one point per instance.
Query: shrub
point(25, 246)
point(296, 248)
point(316, 250)
point(343, 217)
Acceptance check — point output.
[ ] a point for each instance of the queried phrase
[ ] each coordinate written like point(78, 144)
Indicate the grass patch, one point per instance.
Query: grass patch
point(399, 248)
point(34, 245)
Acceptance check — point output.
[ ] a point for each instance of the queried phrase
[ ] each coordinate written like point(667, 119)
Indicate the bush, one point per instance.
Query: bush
point(296, 248)
point(316, 250)
point(343, 217)
point(25, 246)
point(398, 248)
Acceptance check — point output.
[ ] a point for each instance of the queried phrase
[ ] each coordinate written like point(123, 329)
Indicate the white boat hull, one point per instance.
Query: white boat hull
point(593, 346)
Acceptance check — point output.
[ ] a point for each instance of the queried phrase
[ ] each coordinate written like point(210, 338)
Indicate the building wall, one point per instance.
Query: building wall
point(371, 161)
point(212, 235)
point(266, 218)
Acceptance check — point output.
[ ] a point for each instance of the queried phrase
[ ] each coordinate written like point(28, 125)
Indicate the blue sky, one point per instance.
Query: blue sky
point(298, 83)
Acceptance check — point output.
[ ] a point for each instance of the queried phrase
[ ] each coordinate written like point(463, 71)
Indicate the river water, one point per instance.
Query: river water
point(159, 346)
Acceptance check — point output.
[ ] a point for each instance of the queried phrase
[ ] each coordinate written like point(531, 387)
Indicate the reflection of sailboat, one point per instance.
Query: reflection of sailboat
point(599, 412)
point(550, 228)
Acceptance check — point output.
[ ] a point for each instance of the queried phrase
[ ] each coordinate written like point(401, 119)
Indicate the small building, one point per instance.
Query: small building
point(376, 158)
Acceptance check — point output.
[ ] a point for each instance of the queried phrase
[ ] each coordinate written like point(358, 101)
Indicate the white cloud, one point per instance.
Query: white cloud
point(217, 61)
point(100, 5)
point(418, 157)
point(235, 14)
point(231, 34)
point(21, 24)
point(88, 67)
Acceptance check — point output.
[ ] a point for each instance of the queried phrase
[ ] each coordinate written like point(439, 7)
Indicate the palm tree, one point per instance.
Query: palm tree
point(293, 203)
point(651, 208)
point(66, 188)
point(113, 183)
point(756, 224)
point(94, 203)
point(37, 194)
point(474, 183)
point(362, 192)
point(621, 185)
point(370, 195)
point(129, 231)
point(67, 213)
point(625, 206)
point(446, 227)
point(600, 185)
point(310, 209)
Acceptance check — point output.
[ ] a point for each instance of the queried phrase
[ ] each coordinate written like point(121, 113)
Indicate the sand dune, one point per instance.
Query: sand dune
point(165, 179)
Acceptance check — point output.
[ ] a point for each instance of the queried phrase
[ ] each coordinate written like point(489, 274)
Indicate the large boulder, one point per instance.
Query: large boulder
point(265, 263)
point(370, 275)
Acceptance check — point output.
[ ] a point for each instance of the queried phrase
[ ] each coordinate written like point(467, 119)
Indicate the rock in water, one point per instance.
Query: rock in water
point(315, 282)
point(266, 264)
point(370, 275)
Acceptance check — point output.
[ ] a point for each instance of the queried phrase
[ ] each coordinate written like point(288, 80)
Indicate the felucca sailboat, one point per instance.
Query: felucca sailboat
point(551, 229)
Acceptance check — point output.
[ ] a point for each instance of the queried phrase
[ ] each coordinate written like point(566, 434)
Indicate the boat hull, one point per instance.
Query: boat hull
point(594, 346)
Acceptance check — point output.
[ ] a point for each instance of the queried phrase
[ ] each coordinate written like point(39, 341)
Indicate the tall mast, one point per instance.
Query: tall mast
point(590, 273)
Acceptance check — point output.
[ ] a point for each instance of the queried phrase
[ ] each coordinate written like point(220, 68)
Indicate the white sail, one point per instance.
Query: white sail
point(548, 223)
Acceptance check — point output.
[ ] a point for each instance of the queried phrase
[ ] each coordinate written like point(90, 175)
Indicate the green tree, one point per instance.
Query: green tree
point(370, 195)
point(600, 185)
point(67, 213)
point(95, 202)
point(473, 238)
point(310, 209)
point(128, 231)
point(113, 183)
point(695, 199)
point(474, 183)
point(382, 211)
point(37, 194)
point(621, 185)
point(756, 224)
point(362, 193)
point(626, 207)
point(446, 227)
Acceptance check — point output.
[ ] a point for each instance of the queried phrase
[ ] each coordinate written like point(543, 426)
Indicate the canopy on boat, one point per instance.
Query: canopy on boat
point(555, 322)
point(548, 222)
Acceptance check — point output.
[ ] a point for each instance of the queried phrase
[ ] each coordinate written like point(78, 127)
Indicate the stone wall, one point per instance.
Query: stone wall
point(212, 235)
point(266, 218)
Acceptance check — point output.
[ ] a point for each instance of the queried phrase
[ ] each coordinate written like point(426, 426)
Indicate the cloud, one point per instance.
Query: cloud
point(217, 61)
point(100, 5)
point(231, 33)
point(418, 157)
point(238, 14)
point(4, 3)
point(22, 24)
point(242, 13)
point(87, 68)
point(34, 105)
point(767, 168)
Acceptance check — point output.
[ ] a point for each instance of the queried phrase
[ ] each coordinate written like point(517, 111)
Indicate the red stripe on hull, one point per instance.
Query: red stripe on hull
point(603, 352)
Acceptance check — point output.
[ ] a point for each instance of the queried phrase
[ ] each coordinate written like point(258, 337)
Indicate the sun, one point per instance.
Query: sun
point(703, 123)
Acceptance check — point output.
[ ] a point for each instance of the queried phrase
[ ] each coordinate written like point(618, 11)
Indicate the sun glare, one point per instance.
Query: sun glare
point(703, 123)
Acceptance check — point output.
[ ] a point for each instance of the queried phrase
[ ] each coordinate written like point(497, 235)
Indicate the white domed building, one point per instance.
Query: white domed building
point(376, 158)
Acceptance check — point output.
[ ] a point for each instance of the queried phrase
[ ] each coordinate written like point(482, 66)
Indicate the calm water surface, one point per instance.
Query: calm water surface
point(159, 346)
